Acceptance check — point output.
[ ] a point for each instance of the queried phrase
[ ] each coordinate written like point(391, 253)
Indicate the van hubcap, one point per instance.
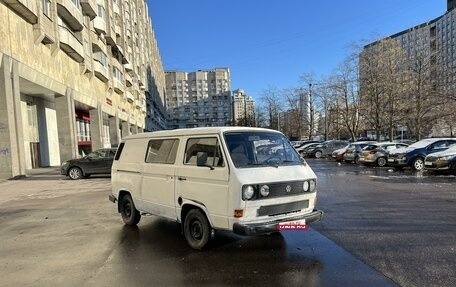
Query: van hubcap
point(196, 230)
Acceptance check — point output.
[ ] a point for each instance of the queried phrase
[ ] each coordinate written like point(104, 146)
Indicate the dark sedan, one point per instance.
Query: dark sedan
point(97, 162)
point(444, 161)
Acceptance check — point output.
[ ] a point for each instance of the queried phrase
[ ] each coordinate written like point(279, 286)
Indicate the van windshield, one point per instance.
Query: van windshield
point(253, 149)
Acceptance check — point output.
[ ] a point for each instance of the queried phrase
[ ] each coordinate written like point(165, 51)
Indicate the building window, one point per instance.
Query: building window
point(46, 7)
point(101, 11)
point(117, 73)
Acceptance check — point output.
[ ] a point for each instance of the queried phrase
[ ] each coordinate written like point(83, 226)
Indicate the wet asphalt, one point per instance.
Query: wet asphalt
point(380, 228)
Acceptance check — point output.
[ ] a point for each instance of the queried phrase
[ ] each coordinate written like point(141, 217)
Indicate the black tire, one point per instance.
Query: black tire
point(75, 173)
point(418, 164)
point(196, 229)
point(318, 154)
point(381, 162)
point(453, 168)
point(130, 214)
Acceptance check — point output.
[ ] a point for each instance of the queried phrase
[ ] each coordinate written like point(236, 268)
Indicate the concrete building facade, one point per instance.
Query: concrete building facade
point(75, 76)
point(432, 45)
point(243, 108)
point(198, 99)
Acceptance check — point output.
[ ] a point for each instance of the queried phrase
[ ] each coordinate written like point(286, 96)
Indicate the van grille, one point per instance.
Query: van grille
point(277, 209)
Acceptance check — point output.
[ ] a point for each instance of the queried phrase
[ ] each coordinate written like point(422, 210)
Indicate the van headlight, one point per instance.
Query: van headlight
point(305, 186)
point(248, 192)
point(264, 190)
point(312, 185)
point(309, 185)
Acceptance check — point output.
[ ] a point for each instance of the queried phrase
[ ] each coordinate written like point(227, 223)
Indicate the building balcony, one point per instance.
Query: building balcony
point(99, 24)
point(130, 97)
point(97, 43)
point(128, 80)
point(128, 67)
point(27, 9)
point(138, 104)
point(71, 45)
point(87, 65)
point(89, 8)
point(118, 86)
point(116, 8)
point(101, 72)
point(111, 38)
point(44, 30)
point(70, 14)
point(118, 30)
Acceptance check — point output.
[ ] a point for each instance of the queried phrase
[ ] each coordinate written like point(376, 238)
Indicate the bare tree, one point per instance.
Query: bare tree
point(344, 86)
point(273, 104)
point(422, 94)
point(381, 86)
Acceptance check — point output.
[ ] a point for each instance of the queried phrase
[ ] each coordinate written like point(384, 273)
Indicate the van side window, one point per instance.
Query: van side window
point(208, 145)
point(162, 151)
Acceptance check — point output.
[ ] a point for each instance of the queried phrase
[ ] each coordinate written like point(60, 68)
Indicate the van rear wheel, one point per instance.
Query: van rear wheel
point(196, 229)
point(130, 214)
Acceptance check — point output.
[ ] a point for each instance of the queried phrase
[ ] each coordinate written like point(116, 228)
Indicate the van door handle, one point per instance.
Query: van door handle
point(181, 178)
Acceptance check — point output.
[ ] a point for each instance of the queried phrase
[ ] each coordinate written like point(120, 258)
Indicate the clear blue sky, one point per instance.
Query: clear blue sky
point(270, 43)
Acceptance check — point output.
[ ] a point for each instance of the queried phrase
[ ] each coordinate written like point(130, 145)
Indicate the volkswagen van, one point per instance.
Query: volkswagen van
point(246, 180)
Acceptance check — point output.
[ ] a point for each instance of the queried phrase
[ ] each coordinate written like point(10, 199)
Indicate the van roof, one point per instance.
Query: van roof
point(196, 131)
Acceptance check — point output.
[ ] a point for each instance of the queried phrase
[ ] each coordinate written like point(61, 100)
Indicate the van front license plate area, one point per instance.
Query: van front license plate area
point(293, 225)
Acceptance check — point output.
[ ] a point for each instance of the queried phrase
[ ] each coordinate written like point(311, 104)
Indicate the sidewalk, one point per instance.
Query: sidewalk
point(52, 172)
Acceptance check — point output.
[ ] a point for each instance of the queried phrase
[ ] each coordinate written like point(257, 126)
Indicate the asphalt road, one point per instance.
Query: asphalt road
point(57, 232)
point(401, 223)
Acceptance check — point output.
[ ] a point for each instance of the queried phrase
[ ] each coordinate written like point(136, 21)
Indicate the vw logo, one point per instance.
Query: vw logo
point(288, 188)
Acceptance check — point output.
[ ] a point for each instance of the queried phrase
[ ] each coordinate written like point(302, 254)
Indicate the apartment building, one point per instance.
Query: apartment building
point(243, 109)
point(430, 46)
point(198, 99)
point(75, 76)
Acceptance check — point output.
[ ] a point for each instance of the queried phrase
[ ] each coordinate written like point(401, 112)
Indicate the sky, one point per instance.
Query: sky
point(271, 43)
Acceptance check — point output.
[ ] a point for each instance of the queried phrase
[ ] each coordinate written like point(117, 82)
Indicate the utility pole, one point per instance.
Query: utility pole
point(311, 116)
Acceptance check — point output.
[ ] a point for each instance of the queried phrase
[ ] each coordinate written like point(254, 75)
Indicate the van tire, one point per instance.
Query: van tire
point(130, 214)
point(196, 229)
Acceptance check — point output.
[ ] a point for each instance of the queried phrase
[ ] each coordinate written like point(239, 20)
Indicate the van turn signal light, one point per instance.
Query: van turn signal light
point(238, 213)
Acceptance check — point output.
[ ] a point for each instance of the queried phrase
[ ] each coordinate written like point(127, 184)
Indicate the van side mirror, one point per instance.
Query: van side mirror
point(201, 159)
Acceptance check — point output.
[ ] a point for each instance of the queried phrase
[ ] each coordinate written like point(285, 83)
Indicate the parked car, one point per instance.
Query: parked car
point(377, 154)
point(353, 151)
point(302, 150)
point(338, 154)
point(414, 155)
point(326, 148)
point(97, 162)
point(442, 161)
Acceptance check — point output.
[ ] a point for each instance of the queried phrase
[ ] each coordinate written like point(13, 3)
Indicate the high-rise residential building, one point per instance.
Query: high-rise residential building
point(198, 99)
point(243, 109)
point(431, 49)
point(75, 75)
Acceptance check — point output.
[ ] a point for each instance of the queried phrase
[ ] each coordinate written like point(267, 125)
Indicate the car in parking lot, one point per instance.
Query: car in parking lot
point(442, 161)
point(338, 154)
point(326, 148)
point(96, 162)
point(413, 156)
point(377, 154)
point(302, 150)
point(353, 151)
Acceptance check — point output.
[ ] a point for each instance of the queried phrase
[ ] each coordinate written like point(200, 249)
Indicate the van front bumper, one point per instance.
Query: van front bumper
point(271, 226)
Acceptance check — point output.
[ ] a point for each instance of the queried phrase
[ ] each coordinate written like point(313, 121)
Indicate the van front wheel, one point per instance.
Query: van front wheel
point(130, 214)
point(196, 229)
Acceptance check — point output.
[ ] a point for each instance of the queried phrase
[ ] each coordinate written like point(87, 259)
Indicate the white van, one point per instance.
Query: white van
point(246, 180)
